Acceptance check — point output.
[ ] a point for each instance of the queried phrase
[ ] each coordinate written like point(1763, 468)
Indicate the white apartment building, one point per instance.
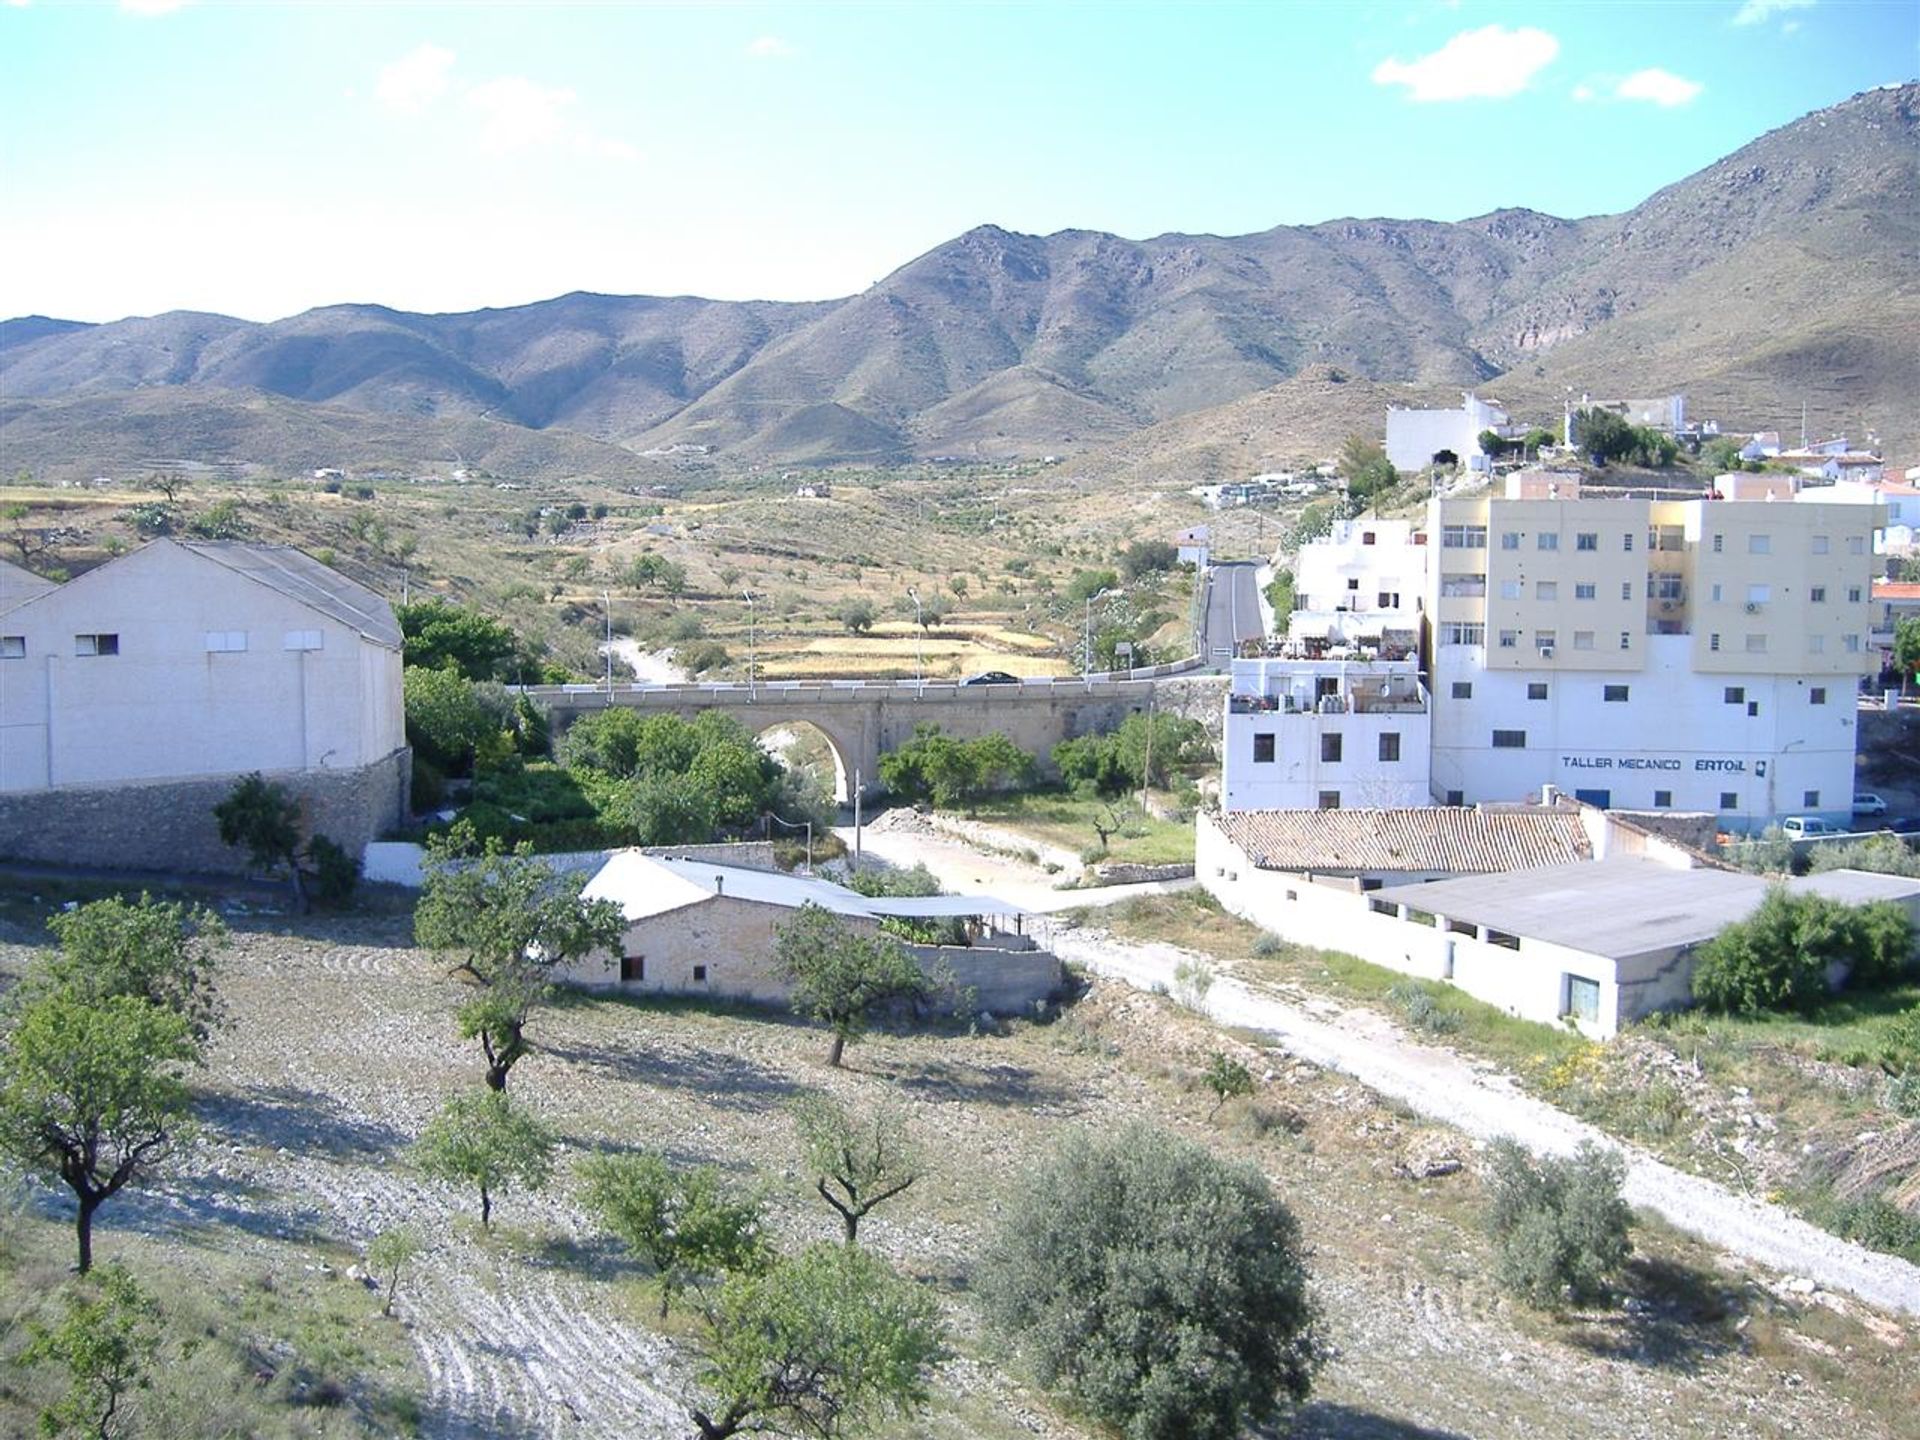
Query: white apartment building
point(1646, 655)
point(1330, 733)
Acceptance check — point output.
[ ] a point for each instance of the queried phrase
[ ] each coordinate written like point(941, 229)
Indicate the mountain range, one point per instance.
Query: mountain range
point(1787, 274)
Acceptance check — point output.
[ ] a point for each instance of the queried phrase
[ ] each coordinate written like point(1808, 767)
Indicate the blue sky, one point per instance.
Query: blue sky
point(260, 158)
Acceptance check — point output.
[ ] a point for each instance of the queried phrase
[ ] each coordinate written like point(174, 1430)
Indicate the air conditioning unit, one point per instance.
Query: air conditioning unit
point(1546, 652)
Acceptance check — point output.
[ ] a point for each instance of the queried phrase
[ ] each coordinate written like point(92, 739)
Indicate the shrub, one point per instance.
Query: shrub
point(1779, 957)
point(1162, 1289)
point(1227, 1078)
point(1268, 945)
point(1559, 1225)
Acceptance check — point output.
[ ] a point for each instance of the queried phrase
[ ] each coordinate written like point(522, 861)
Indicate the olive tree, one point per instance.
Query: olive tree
point(509, 919)
point(91, 1092)
point(482, 1140)
point(682, 1221)
point(840, 976)
point(263, 819)
point(1162, 1289)
point(857, 1161)
point(829, 1343)
point(1559, 1225)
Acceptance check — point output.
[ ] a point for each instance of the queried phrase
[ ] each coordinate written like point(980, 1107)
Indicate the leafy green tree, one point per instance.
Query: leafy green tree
point(1227, 1078)
point(935, 766)
point(685, 779)
point(857, 1161)
point(389, 1253)
point(656, 572)
point(1162, 1289)
point(165, 953)
point(1602, 435)
point(682, 1221)
point(90, 1091)
point(857, 615)
point(1560, 1226)
point(440, 635)
point(1538, 438)
point(1779, 957)
point(1491, 444)
point(446, 720)
point(106, 1342)
point(830, 1343)
point(1721, 453)
point(1117, 761)
point(1280, 596)
point(1364, 466)
point(1906, 648)
point(509, 919)
point(1147, 557)
point(841, 976)
point(1086, 584)
point(484, 1141)
point(264, 820)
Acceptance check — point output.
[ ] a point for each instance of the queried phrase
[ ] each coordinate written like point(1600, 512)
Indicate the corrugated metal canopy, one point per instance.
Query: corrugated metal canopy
point(646, 885)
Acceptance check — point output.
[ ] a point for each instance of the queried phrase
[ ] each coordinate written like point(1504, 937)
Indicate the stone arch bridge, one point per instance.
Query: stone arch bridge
point(862, 720)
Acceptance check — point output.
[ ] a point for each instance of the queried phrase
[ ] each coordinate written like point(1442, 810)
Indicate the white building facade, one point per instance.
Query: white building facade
point(1645, 655)
point(190, 664)
point(1419, 438)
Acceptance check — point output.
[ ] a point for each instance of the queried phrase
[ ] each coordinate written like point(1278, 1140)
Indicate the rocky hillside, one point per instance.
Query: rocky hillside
point(1785, 273)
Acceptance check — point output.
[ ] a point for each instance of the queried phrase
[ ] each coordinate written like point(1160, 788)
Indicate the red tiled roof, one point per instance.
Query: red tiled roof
point(1896, 589)
point(1453, 838)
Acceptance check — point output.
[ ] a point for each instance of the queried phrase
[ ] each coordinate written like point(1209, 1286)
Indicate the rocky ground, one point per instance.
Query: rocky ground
point(342, 1044)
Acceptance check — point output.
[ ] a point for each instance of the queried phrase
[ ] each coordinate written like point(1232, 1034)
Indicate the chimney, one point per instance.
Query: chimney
point(719, 884)
point(1549, 794)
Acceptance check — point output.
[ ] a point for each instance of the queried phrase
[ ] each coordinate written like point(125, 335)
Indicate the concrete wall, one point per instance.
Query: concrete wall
point(169, 824)
point(733, 939)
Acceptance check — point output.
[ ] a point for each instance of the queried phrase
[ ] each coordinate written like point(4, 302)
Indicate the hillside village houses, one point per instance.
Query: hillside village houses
point(133, 696)
point(1687, 655)
point(1419, 438)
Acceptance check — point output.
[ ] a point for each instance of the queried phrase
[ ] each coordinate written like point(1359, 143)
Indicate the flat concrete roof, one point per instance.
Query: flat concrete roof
point(1627, 907)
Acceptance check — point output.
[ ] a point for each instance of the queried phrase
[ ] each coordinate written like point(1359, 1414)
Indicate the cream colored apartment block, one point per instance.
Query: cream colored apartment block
point(1763, 588)
point(1780, 589)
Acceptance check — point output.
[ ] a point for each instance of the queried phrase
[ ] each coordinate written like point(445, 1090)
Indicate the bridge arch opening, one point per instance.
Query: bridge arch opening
point(811, 754)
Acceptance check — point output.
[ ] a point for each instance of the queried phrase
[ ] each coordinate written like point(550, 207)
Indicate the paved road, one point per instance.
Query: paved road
point(1233, 609)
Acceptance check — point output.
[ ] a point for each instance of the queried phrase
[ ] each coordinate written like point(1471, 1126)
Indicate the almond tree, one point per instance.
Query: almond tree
point(510, 919)
point(858, 1161)
point(840, 976)
point(90, 1091)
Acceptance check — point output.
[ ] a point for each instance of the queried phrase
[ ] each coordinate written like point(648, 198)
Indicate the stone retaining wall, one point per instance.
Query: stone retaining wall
point(1120, 873)
point(168, 824)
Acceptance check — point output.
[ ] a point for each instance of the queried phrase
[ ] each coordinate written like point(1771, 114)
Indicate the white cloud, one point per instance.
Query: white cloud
point(151, 7)
point(416, 79)
point(1787, 27)
point(1659, 87)
point(768, 46)
point(1490, 63)
point(1583, 93)
point(516, 114)
point(1758, 12)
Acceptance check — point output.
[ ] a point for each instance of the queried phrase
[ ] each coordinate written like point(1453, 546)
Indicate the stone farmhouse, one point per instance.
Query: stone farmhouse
point(133, 696)
point(696, 928)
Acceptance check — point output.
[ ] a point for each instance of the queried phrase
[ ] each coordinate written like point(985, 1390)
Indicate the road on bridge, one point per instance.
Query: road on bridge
point(1233, 611)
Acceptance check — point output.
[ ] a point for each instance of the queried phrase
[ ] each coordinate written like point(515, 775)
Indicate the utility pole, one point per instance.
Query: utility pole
point(606, 602)
point(856, 818)
point(919, 642)
point(1146, 771)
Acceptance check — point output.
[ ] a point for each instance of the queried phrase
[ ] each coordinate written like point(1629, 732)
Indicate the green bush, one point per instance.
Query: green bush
point(1779, 957)
point(446, 721)
point(934, 766)
point(1163, 1290)
point(1559, 1226)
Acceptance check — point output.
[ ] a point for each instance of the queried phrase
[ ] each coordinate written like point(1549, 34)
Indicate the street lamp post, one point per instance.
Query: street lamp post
point(919, 642)
point(748, 595)
point(606, 601)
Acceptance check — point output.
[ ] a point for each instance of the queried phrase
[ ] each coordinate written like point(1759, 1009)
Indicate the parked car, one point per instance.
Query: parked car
point(1804, 827)
point(1905, 825)
point(991, 677)
point(1869, 804)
